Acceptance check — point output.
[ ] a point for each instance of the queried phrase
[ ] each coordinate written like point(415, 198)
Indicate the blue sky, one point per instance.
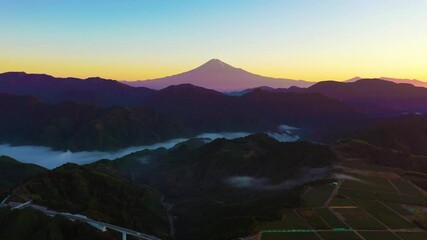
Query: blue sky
point(299, 39)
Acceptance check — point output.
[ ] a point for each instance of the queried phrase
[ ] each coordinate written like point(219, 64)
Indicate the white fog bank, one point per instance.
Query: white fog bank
point(49, 158)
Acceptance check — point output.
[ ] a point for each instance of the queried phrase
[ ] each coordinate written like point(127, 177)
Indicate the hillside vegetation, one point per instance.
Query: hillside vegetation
point(31, 224)
point(75, 126)
point(13, 172)
point(101, 196)
point(397, 142)
point(219, 190)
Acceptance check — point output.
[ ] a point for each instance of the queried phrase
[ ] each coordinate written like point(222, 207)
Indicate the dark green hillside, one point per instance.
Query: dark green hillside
point(13, 172)
point(219, 190)
point(210, 207)
point(101, 196)
point(398, 142)
point(74, 126)
point(143, 165)
point(31, 224)
point(405, 134)
point(135, 166)
point(119, 128)
point(177, 111)
point(256, 155)
point(361, 150)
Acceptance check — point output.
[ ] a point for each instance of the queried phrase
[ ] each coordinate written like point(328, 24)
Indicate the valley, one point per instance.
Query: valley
point(349, 199)
point(213, 120)
point(186, 162)
point(50, 158)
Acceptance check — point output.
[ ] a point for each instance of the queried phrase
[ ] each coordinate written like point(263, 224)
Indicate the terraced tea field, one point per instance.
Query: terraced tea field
point(360, 203)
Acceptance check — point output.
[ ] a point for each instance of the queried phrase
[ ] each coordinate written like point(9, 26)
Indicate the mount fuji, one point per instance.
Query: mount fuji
point(219, 76)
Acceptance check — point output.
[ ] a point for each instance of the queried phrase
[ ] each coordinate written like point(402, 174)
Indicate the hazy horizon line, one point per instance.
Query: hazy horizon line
point(184, 71)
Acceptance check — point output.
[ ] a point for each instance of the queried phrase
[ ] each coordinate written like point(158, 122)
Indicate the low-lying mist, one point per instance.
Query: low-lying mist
point(49, 158)
point(305, 175)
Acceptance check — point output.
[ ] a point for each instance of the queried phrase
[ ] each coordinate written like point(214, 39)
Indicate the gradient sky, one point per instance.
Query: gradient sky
point(142, 39)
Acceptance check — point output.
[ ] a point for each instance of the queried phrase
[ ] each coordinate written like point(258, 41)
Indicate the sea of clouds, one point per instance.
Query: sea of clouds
point(49, 158)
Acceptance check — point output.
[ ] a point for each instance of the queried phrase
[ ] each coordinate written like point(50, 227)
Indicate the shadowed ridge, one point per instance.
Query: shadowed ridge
point(96, 90)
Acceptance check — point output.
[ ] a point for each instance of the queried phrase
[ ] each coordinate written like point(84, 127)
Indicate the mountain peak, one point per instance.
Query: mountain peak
point(220, 76)
point(215, 61)
point(354, 79)
point(215, 64)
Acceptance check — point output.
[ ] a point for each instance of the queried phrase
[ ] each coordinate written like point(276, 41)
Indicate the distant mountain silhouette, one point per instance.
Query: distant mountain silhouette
point(376, 94)
point(219, 76)
point(374, 97)
point(267, 89)
point(96, 91)
point(414, 82)
point(211, 111)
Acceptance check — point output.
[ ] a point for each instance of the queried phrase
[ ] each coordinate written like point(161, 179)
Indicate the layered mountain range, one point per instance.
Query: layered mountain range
point(101, 114)
point(414, 82)
point(201, 188)
point(374, 97)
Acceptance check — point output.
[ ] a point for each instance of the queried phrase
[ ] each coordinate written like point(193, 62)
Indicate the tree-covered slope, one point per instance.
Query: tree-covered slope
point(31, 224)
point(219, 190)
point(396, 142)
point(74, 126)
point(13, 172)
point(101, 196)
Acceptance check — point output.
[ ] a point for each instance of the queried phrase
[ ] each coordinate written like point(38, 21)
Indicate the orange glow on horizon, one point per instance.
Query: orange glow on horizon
point(145, 71)
point(137, 40)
